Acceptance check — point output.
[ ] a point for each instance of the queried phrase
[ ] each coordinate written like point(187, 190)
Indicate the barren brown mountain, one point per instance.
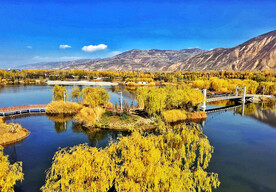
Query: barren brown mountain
point(258, 53)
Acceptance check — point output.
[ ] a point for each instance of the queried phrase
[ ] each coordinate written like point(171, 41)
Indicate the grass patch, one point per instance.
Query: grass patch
point(60, 107)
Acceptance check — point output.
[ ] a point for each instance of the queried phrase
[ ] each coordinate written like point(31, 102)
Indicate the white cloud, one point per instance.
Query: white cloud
point(64, 46)
point(113, 53)
point(29, 47)
point(92, 48)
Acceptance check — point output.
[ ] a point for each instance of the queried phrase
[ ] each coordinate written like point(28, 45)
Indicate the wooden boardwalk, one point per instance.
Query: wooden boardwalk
point(16, 110)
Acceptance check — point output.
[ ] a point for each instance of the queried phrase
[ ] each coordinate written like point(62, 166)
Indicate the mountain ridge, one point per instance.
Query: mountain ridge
point(258, 53)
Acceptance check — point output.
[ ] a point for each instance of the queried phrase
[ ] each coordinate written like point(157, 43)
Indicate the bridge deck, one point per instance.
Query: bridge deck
point(221, 108)
point(7, 111)
point(223, 98)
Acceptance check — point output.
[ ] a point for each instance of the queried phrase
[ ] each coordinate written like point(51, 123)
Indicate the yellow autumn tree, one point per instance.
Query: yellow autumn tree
point(59, 93)
point(76, 93)
point(9, 173)
point(95, 96)
point(155, 99)
point(173, 160)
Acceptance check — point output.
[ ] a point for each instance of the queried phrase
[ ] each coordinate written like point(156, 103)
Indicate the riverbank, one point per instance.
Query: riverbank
point(81, 83)
point(11, 133)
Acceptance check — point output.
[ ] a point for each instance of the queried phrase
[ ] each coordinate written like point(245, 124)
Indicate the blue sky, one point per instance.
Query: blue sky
point(42, 31)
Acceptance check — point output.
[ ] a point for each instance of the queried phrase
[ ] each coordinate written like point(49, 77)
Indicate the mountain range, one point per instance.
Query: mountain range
point(258, 53)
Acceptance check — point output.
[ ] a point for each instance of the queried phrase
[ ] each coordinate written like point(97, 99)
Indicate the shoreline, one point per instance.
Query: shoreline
point(101, 83)
point(8, 137)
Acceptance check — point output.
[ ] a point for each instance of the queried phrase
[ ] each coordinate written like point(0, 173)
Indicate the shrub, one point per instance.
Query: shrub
point(197, 115)
point(124, 117)
point(89, 116)
point(60, 107)
point(174, 115)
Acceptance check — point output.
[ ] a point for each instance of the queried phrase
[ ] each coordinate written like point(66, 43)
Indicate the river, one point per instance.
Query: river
point(244, 146)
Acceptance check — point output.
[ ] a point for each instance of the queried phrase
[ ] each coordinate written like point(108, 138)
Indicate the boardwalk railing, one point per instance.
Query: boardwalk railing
point(6, 111)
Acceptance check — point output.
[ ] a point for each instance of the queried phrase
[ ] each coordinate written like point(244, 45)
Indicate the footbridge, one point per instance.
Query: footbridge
point(226, 96)
point(24, 109)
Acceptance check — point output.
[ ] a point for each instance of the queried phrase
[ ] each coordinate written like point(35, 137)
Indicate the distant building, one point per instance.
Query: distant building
point(143, 82)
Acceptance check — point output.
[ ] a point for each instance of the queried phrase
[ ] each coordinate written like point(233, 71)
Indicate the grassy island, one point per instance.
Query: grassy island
point(11, 133)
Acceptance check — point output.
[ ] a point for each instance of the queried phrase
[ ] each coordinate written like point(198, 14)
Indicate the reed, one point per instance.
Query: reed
point(197, 115)
point(174, 115)
point(60, 107)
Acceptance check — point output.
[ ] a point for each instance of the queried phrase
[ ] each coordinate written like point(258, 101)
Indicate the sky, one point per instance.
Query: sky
point(47, 30)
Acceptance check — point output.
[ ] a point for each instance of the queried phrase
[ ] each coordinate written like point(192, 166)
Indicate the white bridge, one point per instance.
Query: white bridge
point(226, 96)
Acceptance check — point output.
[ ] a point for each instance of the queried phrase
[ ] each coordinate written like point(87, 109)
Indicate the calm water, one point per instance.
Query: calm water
point(245, 146)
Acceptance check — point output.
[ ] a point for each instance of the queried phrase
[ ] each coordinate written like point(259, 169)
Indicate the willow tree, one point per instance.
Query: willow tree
point(59, 93)
point(76, 93)
point(153, 99)
point(95, 96)
point(173, 160)
point(9, 173)
point(156, 99)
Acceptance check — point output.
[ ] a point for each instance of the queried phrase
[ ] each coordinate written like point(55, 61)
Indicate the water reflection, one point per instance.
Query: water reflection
point(24, 95)
point(245, 147)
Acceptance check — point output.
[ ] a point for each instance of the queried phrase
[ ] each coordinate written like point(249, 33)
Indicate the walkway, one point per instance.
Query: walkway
point(7, 111)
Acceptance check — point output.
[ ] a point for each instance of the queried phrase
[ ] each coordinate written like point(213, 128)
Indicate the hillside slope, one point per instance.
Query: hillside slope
point(258, 53)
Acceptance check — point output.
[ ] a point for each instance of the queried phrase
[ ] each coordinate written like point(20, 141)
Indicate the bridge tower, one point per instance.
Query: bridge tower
point(244, 94)
point(204, 99)
point(236, 91)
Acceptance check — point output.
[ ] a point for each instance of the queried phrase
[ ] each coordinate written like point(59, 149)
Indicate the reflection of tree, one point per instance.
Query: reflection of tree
point(222, 103)
point(13, 156)
point(61, 126)
point(60, 118)
point(78, 128)
point(95, 135)
point(253, 108)
point(266, 113)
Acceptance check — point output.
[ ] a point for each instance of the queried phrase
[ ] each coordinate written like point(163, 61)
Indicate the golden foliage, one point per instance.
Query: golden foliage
point(174, 115)
point(270, 87)
point(60, 107)
point(108, 104)
point(174, 160)
point(80, 168)
point(10, 133)
point(89, 116)
point(95, 96)
point(197, 115)
point(201, 84)
point(157, 99)
point(75, 93)
point(59, 92)
point(9, 173)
